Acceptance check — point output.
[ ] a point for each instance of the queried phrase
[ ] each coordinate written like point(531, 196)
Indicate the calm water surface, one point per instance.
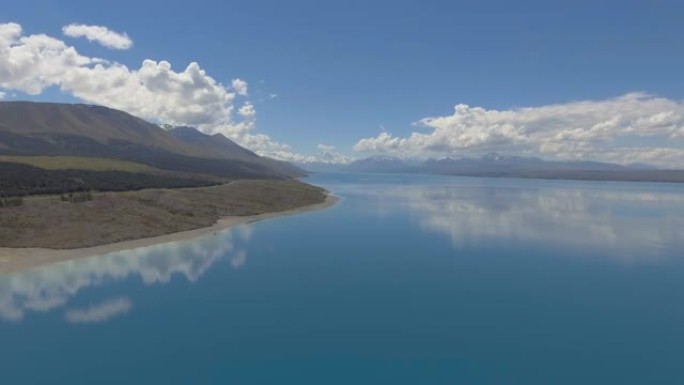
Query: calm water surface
point(408, 280)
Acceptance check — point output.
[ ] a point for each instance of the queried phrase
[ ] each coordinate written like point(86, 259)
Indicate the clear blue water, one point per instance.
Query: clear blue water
point(408, 280)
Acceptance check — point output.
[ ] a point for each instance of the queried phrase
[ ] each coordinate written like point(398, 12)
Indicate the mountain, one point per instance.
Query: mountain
point(65, 126)
point(213, 146)
point(497, 165)
point(28, 128)
point(325, 162)
point(218, 146)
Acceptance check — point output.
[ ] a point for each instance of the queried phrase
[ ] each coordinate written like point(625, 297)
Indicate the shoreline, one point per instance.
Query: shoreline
point(14, 260)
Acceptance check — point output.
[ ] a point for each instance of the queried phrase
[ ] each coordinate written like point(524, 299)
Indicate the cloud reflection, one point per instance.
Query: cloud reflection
point(100, 312)
point(50, 287)
point(630, 225)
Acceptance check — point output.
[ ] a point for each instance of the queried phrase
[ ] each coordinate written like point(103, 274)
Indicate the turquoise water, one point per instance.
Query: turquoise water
point(408, 280)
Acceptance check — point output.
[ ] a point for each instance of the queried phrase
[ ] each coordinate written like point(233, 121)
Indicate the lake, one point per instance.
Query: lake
point(409, 279)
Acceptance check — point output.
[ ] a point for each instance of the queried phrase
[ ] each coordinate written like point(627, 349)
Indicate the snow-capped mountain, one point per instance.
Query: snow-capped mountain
point(493, 164)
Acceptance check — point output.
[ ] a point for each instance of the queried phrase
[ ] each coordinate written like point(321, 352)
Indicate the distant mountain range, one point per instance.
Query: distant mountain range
point(497, 165)
point(324, 162)
point(383, 163)
point(28, 128)
point(491, 162)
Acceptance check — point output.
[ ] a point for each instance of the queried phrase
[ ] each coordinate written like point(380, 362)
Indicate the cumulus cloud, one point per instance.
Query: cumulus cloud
point(327, 155)
point(32, 63)
point(100, 312)
point(612, 130)
point(99, 34)
point(155, 91)
point(240, 86)
point(247, 111)
point(243, 133)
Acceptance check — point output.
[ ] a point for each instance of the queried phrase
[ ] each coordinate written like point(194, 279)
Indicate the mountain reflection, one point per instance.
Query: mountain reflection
point(51, 287)
point(629, 225)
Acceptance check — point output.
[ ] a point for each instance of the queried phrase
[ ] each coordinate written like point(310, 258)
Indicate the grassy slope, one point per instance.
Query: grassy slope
point(77, 163)
point(115, 217)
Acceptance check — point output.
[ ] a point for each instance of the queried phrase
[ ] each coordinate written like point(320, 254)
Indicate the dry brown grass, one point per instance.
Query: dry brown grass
point(115, 217)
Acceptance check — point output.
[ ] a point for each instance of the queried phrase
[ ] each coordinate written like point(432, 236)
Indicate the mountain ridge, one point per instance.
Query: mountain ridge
point(36, 128)
point(497, 165)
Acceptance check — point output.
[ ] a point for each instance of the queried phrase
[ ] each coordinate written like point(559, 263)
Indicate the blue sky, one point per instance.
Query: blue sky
point(354, 70)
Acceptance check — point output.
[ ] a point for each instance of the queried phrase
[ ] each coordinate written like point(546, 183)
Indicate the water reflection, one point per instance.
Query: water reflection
point(632, 226)
point(51, 287)
point(100, 312)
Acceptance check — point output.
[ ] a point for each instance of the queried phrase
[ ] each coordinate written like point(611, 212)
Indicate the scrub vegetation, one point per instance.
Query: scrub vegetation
point(102, 218)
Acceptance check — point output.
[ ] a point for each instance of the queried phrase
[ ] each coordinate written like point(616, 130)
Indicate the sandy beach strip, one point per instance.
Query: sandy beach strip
point(13, 260)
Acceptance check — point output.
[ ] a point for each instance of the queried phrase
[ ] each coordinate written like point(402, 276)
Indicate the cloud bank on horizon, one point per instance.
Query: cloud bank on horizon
point(32, 63)
point(636, 127)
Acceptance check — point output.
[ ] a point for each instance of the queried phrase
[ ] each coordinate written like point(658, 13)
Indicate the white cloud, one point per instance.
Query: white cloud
point(266, 146)
point(2, 95)
point(155, 91)
point(32, 63)
point(9, 32)
point(240, 86)
point(328, 155)
point(326, 148)
point(613, 129)
point(247, 111)
point(100, 312)
point(288, 156)
point(99, 34)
